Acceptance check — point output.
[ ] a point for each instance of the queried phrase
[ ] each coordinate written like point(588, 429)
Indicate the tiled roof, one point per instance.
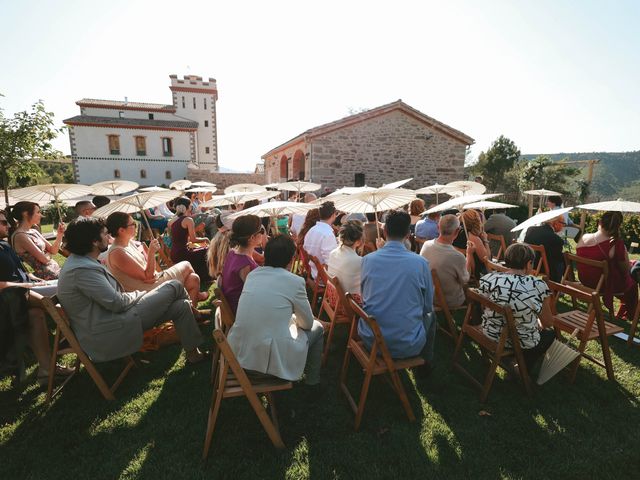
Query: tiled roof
point(130, 122)
point(94, 102)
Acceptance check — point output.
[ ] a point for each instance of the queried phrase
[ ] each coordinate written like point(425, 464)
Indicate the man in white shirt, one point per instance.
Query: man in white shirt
point(297, 220)
point(451, 266)
point(320, 240)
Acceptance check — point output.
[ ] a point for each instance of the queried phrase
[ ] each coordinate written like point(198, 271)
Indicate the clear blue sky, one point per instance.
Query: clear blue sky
point(554, 76)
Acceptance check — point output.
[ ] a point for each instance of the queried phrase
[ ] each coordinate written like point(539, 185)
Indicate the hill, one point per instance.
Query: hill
point(617, 174)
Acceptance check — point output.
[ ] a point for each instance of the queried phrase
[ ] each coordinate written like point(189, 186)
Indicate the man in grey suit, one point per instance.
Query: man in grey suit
point(109, 322)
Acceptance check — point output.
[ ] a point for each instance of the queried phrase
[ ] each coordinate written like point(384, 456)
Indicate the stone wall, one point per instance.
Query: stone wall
point(386, 148)
point(223, 180)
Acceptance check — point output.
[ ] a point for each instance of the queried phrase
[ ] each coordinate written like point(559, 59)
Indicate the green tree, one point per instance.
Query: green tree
point(543, 173)
point(497, 161)
point(23, 138)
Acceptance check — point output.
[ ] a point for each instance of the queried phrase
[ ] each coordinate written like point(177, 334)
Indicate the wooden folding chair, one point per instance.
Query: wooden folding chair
point(541, 266)
point(334, 310)
point(634, 325)
point(232, 381)
point(224, 322)
point(164, 253)
point(503, 245)
point(494, 351)
point(440, 305)
point(317, 285)
point(589, 323)
point(378, 361)
point(65, 342)
point(494, 267)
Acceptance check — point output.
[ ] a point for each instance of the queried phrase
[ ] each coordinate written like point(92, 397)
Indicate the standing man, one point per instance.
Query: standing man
point(320, 240)
point(397, 290)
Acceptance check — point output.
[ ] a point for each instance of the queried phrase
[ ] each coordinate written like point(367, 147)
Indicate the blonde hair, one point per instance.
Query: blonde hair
point(217, 252)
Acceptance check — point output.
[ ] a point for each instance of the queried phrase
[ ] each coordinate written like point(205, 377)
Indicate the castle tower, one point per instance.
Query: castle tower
point(195, 99)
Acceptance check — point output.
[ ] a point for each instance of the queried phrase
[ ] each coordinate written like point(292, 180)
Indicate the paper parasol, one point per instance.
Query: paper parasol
point(618, 205)
point(466, 187)
point(397, 184)
point(244, 188)
point(52, 192)
point(113, 187)
point(557, 356)
point(541, 218)
point(180, 184)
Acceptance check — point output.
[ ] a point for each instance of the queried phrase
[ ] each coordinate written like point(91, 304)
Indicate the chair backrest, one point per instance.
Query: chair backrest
point(541, 266)
point(342, 296)
point(330, 300)
point(494, 267)
point(582, 262)
point(304, 258)
point(379, 344)
point(577, 292)
point(503, 244)
point(55, 311)
point(229, 360)
point(473, 296)
point(437, 290)
point(226, 314)
point(322, 275)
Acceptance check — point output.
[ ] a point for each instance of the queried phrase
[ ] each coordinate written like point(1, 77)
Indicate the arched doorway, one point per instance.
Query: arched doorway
point(284, 168)
point(298, 165)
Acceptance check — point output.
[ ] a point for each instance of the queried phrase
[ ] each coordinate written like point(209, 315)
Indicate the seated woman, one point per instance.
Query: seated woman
point(134, 266)
point(182, 233)
point(274, 332)
point(529, 299)
point(416, 208)
point(313, 216)
point(477, 237)
point(17, 288)
point(344, 263)
point(29, 243)
point(607, 245)
point(157, 221)
point(246, 234)
point(219, 246)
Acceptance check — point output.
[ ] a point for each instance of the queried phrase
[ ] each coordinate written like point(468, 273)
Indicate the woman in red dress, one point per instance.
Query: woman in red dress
point(606, 244)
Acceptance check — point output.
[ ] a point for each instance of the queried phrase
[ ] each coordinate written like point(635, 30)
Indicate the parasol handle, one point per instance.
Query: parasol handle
point(146, 221)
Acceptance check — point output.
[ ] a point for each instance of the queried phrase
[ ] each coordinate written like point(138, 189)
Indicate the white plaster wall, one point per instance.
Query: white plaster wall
point(115, 113)
point(206, 135)
point(97, 170)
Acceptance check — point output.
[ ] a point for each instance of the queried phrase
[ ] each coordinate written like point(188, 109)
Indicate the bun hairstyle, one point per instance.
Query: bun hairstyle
point(243, 228)
point(182, 204)
point(611, 223)
point(350, 232)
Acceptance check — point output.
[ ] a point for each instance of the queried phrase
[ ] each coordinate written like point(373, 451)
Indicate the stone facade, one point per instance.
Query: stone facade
point(223, 180)
point(379, 146)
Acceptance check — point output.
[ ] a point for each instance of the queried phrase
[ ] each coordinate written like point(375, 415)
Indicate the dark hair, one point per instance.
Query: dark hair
point(81, 233)
point(397, 224)
point(243, 228)
point(371, 217)
point(518, 255)
point(555, 199)
point(181, 201)
point(326, 210)
point(279, 251)
point(21, 207)
point(350, 232)
point(309, 222)
point(101, 201)
point(116, 221)
point(250, 203)
point(611, 222)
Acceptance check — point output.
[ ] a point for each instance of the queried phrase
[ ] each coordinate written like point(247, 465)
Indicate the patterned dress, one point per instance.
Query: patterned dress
point(45, 271)
point(524, 294)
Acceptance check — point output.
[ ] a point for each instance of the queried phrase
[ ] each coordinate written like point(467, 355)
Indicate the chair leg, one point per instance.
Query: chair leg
point(272, 406)
point(363, 397)
point(402, 394)
point(267, 424)
point(130, 364)
point(211, 421)
point(215, 358)
point(488, 381)
point(574, 367)
point(634, 324)
point(325, 354)
point(52, 365)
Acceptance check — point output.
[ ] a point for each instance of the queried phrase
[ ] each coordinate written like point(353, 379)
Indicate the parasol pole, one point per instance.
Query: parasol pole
point(146, 221)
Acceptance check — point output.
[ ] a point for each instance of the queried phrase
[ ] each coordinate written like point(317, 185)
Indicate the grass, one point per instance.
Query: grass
point(156, 426)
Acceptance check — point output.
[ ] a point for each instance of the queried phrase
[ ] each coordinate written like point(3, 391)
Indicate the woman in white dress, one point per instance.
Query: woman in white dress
point(344, 263)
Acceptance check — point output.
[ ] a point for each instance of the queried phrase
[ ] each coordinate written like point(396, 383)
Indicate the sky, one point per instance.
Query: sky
point(553, 76)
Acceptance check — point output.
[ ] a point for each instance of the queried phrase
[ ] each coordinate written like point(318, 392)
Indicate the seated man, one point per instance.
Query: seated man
point(85, 208)
point(427, 228)
point(546, 235)
point(499, 224)
point(109, 322)
point(397, 290)
point(274, 332)
point(452, 267)
point(320, 240)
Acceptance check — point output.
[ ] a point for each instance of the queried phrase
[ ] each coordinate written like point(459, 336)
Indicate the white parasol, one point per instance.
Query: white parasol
point(202, 183)
point(201, 189)
point(542, 192)
point(12, 201)
point(397, 184)
point(329, 198)
point(153, 189)
point(618, 205)
point(466, 187)
point(113, 187)
point(52, 192)
point(435, 189)
point(486, 205)
point(275, 209)
point(138, 203)
point(557, 356)
point(244, 188)
point(541, 218)
point(180, 184)
point(459, 201)
point(299, 186)
point(376, 200)
point(235, 198)
point(351, 190)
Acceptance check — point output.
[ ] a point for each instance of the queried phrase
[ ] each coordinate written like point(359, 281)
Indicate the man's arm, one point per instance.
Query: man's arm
point(95, 286)
point(328, 243)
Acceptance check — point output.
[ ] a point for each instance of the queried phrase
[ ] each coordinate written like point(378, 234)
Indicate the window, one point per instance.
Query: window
point(359, 180)
point(206, 123)
point(116, 174)
point(114, 144)
point(183, 103)
point(151, 116)
point(206, 149)
point(143, 174)
point(141, 146)
point(121, 114)
point(167, 175)
point(194, 103)
point(205, 103)
point(167, 149)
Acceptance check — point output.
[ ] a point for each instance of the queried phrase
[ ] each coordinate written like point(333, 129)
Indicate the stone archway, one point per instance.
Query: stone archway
point(284, 168)
point(298, 165)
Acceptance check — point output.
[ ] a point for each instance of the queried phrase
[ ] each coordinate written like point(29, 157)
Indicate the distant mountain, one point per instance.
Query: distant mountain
point(617, 174)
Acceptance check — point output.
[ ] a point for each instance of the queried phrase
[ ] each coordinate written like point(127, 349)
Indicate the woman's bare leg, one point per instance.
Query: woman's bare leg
point(192, 285)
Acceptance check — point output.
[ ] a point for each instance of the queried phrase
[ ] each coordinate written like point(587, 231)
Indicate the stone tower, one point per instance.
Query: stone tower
point(195, 99)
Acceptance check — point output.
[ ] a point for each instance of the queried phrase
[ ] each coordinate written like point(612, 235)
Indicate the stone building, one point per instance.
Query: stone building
point(149, 143)
point(381, 145)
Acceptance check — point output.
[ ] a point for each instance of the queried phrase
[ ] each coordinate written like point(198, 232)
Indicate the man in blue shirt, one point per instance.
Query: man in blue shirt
point(397, 291)
point(427, 228)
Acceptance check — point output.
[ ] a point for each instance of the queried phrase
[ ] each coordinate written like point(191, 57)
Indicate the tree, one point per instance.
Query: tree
point(23, 138)
point(497, 161)
point(543, 173)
